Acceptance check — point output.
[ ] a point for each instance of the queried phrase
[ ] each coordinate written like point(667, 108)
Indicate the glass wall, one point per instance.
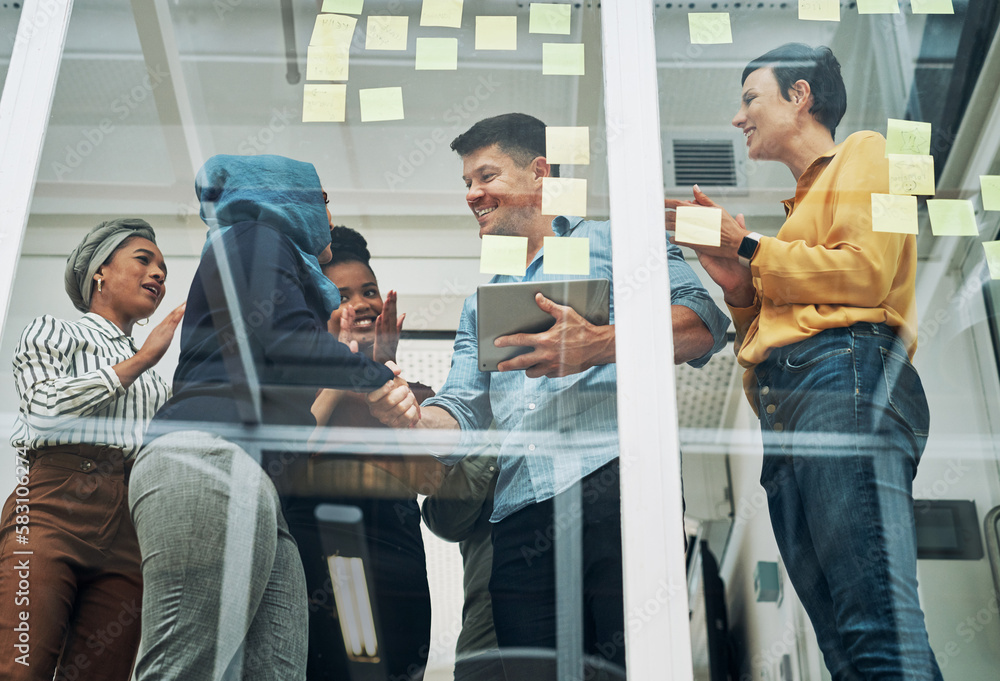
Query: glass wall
point(758, 601)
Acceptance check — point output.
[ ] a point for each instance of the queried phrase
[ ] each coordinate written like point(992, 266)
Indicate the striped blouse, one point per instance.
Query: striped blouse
point(69, 394)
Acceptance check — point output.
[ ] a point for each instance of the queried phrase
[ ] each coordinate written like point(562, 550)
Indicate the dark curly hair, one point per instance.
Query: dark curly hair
point(348, 246)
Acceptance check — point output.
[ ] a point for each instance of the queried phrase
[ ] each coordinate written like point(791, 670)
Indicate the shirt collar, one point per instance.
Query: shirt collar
point(102, 325)
point(564, 226)
point(809, 176)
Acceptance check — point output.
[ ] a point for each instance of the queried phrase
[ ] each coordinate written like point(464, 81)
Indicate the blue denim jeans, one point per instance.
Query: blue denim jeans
point(844, 422)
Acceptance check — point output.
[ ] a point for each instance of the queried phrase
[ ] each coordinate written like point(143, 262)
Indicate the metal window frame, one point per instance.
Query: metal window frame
point(656, 608)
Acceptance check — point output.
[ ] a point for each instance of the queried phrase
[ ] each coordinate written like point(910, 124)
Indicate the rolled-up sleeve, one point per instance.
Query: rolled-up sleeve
point(686, 290)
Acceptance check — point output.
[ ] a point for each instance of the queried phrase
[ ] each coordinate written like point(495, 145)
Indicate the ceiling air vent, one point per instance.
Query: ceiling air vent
point(703, 161)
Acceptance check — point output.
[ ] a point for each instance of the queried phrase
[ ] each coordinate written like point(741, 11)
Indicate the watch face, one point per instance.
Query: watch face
point(747, 248)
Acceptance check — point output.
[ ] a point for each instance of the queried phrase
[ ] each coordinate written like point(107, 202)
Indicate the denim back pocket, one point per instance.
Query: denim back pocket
point(906, 392)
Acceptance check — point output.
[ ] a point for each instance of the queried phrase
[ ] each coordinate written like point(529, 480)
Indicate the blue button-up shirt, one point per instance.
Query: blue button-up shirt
point(554, 431)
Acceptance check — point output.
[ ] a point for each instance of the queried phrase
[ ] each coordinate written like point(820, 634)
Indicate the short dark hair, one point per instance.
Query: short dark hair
point(818, 67)
point(520, 136)
point(348, 245)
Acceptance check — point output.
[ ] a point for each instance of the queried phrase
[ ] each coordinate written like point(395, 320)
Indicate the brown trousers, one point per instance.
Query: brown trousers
point(70, 583)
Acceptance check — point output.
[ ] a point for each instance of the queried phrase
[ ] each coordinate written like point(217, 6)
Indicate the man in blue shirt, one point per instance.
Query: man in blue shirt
point(555, 407)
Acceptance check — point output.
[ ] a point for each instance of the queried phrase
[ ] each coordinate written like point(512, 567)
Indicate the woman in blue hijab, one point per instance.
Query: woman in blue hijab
point(224, 587)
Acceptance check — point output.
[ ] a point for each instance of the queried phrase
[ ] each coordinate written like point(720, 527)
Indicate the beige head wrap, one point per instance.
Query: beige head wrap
point(91, 253)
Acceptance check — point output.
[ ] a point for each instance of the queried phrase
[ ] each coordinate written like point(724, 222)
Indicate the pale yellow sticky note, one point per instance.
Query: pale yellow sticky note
point(710, 28)
point(496, 33)
point(562, 59)
point(952, 217)
point(549, 18)
point(566, 255)
point(381, 104)
point(437, 54)
point(932, 7)
point(333, 30)
point(908, 137)
point(699, 225)
point(992, 249)
point(446, 13)
point(504, 255)
point(326, 63)
point(345, 6)
point(911, 174)
point(990, 184)
point(567, 144)
point(878, 6)
point(819, 10)
point(892, 213)
point(386, 33)
point(564, 196)
point(324, 103)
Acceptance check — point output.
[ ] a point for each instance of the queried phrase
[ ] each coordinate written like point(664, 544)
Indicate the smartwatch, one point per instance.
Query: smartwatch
point(748, 248)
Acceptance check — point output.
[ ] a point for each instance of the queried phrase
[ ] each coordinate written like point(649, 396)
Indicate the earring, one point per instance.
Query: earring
point(143, 322)
point(100, 285)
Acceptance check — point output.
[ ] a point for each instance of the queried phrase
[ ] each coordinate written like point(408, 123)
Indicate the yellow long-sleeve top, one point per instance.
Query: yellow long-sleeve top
point(827, 268)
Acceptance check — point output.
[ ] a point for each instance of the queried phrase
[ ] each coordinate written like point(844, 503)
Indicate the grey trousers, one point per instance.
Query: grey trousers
point(224, 590)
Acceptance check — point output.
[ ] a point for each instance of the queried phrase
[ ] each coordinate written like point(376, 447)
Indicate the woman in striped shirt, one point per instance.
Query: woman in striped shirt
point(69, 558)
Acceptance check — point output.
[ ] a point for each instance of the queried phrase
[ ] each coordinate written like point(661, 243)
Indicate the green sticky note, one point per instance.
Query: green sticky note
point(386, 33)
point(990, 184)
point(566, 255)
point(908, 137)
point(992, 249)
point(710, 28)
point(699, 225)
point(932, 7)
point(381, 104)
point(437, 54)
point(878, 6)
point(564, 196)
point(446, 13)
point(911, 174)
point(897, 214)
point(333, 30)
point(324, 103)
point(549, 18)
point(345, 6)
point(952, 217)
point(504, 255)
point(562, 59)
point(567, 144)
point(819, 10)
point(496, 33)
point(324, 62)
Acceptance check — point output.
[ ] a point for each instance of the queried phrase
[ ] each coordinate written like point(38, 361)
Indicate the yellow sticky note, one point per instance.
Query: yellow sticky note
point(566, 255)
point(324, 103)
point(699, 225)
point(564, 196)
point(892, 213)
point(908, 137)
point(496, 33)
point(345, 6)
point(333, 30)
point(878, 6)
point(386, 33)
point(819, 10)
point(932, 7)
point(710, 28)
point(381, 104)
point(437, 54)
point(567, 144)
point(911, 174)
point(990, 184)
point(504, 255)
point(326, 63)
point(992, 249)
point(952, 217)
point(447, 13)
point(549, 18)
point(562, 59)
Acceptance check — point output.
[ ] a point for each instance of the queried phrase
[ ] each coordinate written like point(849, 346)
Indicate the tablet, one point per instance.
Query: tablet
point(504, 309)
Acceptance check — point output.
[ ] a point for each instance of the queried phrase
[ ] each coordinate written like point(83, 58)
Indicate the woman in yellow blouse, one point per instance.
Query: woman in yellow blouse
point(826, 327)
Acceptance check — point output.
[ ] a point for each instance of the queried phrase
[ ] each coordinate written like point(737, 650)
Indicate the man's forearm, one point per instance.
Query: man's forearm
point(437, 417)
point(692, 339)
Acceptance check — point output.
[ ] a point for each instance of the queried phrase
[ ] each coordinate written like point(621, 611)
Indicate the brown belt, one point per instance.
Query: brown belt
point(84, 458)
